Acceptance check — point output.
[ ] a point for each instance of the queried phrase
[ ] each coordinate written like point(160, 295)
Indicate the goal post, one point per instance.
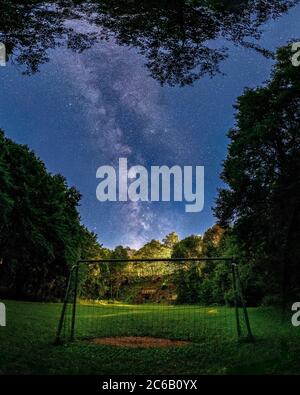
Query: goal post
point(192, 299)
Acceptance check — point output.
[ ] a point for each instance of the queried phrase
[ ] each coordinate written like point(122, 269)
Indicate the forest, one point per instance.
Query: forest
point(85, 83)
point(257, 217)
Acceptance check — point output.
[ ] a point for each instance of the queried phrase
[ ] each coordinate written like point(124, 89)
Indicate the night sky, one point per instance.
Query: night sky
point(86, 110)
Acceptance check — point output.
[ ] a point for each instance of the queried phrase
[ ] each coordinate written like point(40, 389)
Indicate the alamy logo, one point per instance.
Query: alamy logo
point(296, 316)
point(296, 54)
point(2, 314)
point(2, 55)
point(162, 183)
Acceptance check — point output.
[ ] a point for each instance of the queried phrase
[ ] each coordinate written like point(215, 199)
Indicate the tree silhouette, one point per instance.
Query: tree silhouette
point(30, 29)
point(40, 233)
point(262, 170)
point(177, 37)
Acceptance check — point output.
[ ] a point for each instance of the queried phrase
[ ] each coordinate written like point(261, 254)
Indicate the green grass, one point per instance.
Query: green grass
point(26, 342)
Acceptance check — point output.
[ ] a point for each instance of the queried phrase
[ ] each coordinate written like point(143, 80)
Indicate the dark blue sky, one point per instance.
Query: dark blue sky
point(84, 111)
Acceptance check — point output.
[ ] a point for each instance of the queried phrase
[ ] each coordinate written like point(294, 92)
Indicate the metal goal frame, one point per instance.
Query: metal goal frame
point(239, 298)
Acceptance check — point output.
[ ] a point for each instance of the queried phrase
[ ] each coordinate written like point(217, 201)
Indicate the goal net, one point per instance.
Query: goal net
point(189, 300)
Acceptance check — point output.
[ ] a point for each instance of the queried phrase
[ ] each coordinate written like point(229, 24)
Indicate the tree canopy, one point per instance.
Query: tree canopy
point(40, 235)
point(174, 36)
point(262, 171)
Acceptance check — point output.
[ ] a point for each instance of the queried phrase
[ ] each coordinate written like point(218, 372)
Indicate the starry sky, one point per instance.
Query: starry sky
point(86, 110)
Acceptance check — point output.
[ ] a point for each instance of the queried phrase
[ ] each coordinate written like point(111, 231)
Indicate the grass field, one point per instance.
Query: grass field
point(26, 342)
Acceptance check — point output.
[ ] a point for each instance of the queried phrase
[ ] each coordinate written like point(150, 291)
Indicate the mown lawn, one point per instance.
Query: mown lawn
point(27, 341)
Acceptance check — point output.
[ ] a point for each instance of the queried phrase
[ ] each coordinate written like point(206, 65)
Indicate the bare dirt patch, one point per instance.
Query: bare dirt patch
point(139, 342)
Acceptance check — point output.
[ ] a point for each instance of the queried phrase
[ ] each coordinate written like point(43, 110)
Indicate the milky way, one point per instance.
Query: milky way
point(86, 110)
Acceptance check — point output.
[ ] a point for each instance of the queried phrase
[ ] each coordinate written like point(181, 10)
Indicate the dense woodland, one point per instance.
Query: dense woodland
point(257, 218)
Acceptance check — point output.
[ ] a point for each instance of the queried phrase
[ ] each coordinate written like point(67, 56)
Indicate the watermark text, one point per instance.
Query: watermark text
point(2, 314)
point(296, 316)
point(161, 183)
point(296, 54)
point(2, 55)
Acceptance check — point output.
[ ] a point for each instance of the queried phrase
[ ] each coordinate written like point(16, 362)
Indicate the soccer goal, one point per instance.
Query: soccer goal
point(173, 301)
